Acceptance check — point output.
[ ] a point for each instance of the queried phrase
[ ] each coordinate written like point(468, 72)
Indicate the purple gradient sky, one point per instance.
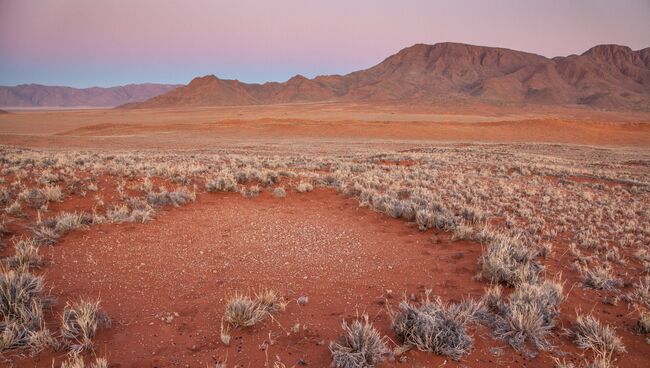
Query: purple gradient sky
point(86, 43)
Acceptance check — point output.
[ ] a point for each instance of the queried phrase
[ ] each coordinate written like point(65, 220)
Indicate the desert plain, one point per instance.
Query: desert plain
point(521, 235)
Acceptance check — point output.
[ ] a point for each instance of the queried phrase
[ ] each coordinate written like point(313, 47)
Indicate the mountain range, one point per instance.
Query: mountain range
point(36, 95)
point(609, 77)
point(605, 77)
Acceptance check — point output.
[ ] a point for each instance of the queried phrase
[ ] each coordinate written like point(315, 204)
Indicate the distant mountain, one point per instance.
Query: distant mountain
point(606, 76)
point(36, 95)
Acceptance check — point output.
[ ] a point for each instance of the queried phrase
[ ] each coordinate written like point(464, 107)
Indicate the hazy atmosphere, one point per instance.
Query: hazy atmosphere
point(114, 42)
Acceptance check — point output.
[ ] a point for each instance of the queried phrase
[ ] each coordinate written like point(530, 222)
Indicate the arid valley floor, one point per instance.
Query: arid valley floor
point(469, 237)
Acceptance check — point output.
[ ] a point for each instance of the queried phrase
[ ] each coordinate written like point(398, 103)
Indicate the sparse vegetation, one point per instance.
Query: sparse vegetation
point(80, 323)
point(244, 311)
point(590, 334)
point(436, 327)
point(360, 346)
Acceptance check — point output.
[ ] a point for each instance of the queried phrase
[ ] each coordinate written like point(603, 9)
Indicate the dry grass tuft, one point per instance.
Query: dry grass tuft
point(590, 334)
point(360, 346)
point(507, 260)
point(279, 192)
point(601, 278)
point(80, 323)
point(77, 361)
point(304, 187)
point(436, 327)
point(529, 315)
point(244, 311)
point(26, 256)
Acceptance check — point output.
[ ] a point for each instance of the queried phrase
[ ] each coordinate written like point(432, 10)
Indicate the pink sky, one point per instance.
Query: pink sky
point(100, 42)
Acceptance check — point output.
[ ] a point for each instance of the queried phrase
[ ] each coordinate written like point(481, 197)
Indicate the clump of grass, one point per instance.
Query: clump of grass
point(643, 323)
point(279, 192)
point(590, 334)
point(53, 193)
point(304, 187)
point(360, 346)
point(26, 256)
point(436, 327)
point(15, 209)
point(33, 197)
point(45, 235)
point(223, 183)
point(67, 221)
point(21, 308)
point(176, 198)
point(507, 260)
point(529, 315)
point(252, 191)
point(641, 291)
point(77, 361)
point(600, 277)
point(244, 311)
point(80, 323)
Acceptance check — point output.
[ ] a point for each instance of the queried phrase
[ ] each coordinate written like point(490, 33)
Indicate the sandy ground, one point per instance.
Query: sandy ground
point(322, 123)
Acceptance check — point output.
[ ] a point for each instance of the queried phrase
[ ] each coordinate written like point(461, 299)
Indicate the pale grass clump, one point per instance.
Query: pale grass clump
point(223, 183)
point(33, 197)
point(21, 308)
point(436, 327)
point(530, 314)
point(304, 187)
point(279, 192)
point(176, 198)
point(45, 235)
point(505, 259)
point(53, 193)
point(66, 222)
point(26, 256)
point(360, 346)
point(643, 323)
point(77, 361)
point(80, 322)
point(15, 209)
point(244, 311)
point(600, 277)
point(590, 334)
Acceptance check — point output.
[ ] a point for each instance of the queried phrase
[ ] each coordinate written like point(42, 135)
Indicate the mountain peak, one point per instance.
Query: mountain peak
point(608, 51)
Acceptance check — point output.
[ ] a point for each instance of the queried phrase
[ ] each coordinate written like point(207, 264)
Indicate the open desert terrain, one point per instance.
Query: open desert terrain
point(342, 184)
point(244, 236)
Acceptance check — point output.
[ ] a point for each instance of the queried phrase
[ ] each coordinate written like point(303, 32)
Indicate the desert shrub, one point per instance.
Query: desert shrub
point(225, 182)
point(244, 311)
point(250, 192)
point(45, 235)
point(33, 197)
point(436, 327)
point(590, 334)
point(53, 193)
point(67, 221)
point(279, 192)
point(304, 187)
point(529, 314)
point(360, 346)
point(463, 232)
point(643, 323)
point(641, 291)
point(5, 196)
point(600, 277)
point(15, 209)
point(77, 361)
point(507, 260)
point(176, 198)
point(21, 308)
point(26, 256)
point(80, 323)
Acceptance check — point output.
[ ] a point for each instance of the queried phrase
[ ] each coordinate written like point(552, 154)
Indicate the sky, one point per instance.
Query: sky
point(84, 43)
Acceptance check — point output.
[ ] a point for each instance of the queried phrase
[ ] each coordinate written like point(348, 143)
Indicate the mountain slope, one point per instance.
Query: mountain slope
point(606, 76)
point(35, 95)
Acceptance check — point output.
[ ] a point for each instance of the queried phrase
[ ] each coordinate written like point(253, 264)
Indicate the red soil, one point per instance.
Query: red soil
point(188, 261)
